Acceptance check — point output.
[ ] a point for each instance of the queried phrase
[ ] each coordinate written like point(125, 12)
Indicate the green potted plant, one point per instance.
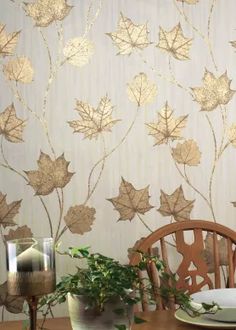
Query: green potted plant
point(101, 296)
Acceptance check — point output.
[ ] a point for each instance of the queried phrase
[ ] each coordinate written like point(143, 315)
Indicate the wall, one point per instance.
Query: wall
point(116, 117)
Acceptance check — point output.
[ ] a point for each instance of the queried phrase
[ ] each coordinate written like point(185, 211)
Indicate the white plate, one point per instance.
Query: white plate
point(202, 321)
point(225, 298)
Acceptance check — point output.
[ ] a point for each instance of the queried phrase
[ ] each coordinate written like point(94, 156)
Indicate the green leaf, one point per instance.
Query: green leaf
point(138, 320)
point(120, 326)
point(25, 324)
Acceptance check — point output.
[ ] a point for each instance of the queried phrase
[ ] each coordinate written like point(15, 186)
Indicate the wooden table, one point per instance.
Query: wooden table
point(160, 320)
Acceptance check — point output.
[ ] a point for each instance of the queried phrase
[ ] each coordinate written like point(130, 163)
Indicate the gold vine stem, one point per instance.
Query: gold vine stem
point(197, 191)
point(19, 97)
point(103, 160)
point(214, 162)
point(48, 215)
point(90, 23)
point(187, 180)
point(115, 148)
point(50, 73)
point(205, 39)
point(144, 223)
point(175, 80)
point(7, 165)
point(209, 32)
point(91, 191)
point(61, 206)
point(171, 80)
point(224, 121)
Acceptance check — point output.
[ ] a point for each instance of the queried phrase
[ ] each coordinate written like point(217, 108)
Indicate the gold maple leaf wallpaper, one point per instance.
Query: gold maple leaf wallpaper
point(116, 118)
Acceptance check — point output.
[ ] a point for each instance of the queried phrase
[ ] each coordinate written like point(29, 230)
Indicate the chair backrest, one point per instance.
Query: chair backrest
point(207, 261)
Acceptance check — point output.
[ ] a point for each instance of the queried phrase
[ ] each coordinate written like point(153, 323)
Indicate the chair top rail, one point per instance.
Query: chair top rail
point(169, 229)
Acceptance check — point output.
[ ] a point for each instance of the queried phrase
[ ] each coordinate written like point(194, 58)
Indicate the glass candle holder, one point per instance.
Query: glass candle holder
point(31, 270)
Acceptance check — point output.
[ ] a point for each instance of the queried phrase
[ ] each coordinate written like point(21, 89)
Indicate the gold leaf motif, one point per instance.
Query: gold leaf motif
point(176, 205)
point(215, 91)
point(19, 69)
point(129, 36)
point(141, 90)
point(20, 232)
point(94, 121)
point(131, 201)
point(13, 304)
point(175, 43)
point(167, 127)
point(78, 51)
point(208, 254)
point(232, 134)
point(8, 211)
point(189, 2)
point(44, 12)
point(11, 127)
point(51, 174)
point(187, 153)
point(7, 41)
point(80, 218)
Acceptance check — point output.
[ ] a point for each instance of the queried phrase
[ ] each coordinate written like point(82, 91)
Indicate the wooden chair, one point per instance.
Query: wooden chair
point(193, 272)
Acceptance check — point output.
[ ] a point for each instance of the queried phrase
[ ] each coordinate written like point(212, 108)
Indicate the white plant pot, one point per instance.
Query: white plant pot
point(86, 319)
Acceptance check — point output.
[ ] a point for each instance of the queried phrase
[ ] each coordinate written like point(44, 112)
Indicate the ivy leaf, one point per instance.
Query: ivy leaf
point(120, 326)
point(13, 304)
point(167, 127)
point(44, 12)
point(19, 70)
point(131, 201)
point(175, 43)
point(187, 153)
point(138, 320)
point(141, 90)
point(11, 127)
point(208, 252)
point(176, 205)
point(50, 175)
point(94, 121)
point(129, 36)
point(7, 41)
point(80, 218)
point(20, 232)
point(215, 91)
point(78, 51)
point(8, 211)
